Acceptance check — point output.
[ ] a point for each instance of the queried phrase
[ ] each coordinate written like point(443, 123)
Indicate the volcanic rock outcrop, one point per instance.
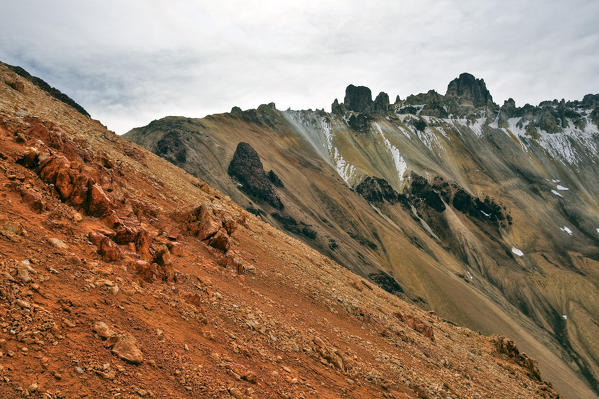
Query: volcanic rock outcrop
point(247, 168)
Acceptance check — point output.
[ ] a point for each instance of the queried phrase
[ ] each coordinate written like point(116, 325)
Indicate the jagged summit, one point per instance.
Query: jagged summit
point(469, 89)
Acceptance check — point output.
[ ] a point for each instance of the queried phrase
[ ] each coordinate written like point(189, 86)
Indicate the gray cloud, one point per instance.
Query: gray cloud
point(131, 62)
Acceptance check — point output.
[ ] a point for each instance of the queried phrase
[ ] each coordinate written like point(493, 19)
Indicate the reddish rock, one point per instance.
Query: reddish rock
point(33, 200)
point(163, 256)
point(417, 325)
point(142, 244)
point(99, 203)
point(220, 240)
point(109, 250)
point(175, 248)
point(230, 225)
point(204, 223)
point(125, 347)
point(125, 234)
point(95, 237)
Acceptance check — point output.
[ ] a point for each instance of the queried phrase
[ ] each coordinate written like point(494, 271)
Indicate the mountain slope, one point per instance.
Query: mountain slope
point(486, 214)
point(121, 275)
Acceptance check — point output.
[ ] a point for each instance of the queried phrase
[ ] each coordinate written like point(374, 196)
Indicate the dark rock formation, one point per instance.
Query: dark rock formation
point(386, 282)
point(360, 122)
point(57, 94)
point(337, 108)
point(467, 87)
point(171, 148)
point(376, 190)
point(265, 114)
point(290, 224)
point(422, 189)
point(358, 98)
point(247, 168)
point(419, 124)
point(381, 103)
point(274, 179)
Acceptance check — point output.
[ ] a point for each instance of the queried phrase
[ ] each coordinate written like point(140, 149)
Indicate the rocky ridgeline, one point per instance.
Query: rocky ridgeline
point(466, 97)
point(54, 92)
point(435, 195)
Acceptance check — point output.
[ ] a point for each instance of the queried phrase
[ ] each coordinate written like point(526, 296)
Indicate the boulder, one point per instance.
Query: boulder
point(220, 240)
point(125, 347)
point(103, 330)
point(99, 203)
point(109, 250)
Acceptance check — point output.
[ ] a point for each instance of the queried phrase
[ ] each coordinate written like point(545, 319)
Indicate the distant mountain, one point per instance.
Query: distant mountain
point(486, 214)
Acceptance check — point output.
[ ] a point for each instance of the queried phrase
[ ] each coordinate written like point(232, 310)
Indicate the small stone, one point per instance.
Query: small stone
point(57, 243)
point(103, 330)
point(33, 387)
point(23, 270)
point(79, 370)
point(23, 304)
point(69, 323)
point(186, 347)
point(125, 347)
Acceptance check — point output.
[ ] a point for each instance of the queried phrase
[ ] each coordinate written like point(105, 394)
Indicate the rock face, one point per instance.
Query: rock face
point(358, 98)
point(377, 190)
point(467, 87)
point(381, 103)
point(360, 122)
point(171, 147)
point(247, 168)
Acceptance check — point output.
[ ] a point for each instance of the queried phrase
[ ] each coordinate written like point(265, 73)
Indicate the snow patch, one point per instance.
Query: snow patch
point(469, 275)
point(565, 316)
point(556, 193)
point(566, 229)
point(516, 251)
point(562, 188)
point(400, 164)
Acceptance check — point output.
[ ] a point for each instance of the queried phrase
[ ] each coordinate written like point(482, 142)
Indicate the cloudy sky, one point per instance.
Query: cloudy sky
point(129, 62)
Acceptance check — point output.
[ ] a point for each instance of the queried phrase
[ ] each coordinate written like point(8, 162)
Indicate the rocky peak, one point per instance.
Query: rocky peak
point(358, 98)
point(469, 89)
point(381, 102)
point(336, 108)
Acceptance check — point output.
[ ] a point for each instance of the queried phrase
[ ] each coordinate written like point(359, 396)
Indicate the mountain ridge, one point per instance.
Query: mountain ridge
point(486, 170)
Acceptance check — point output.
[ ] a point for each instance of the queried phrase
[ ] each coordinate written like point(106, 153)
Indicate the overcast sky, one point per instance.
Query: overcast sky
point(129, 62)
